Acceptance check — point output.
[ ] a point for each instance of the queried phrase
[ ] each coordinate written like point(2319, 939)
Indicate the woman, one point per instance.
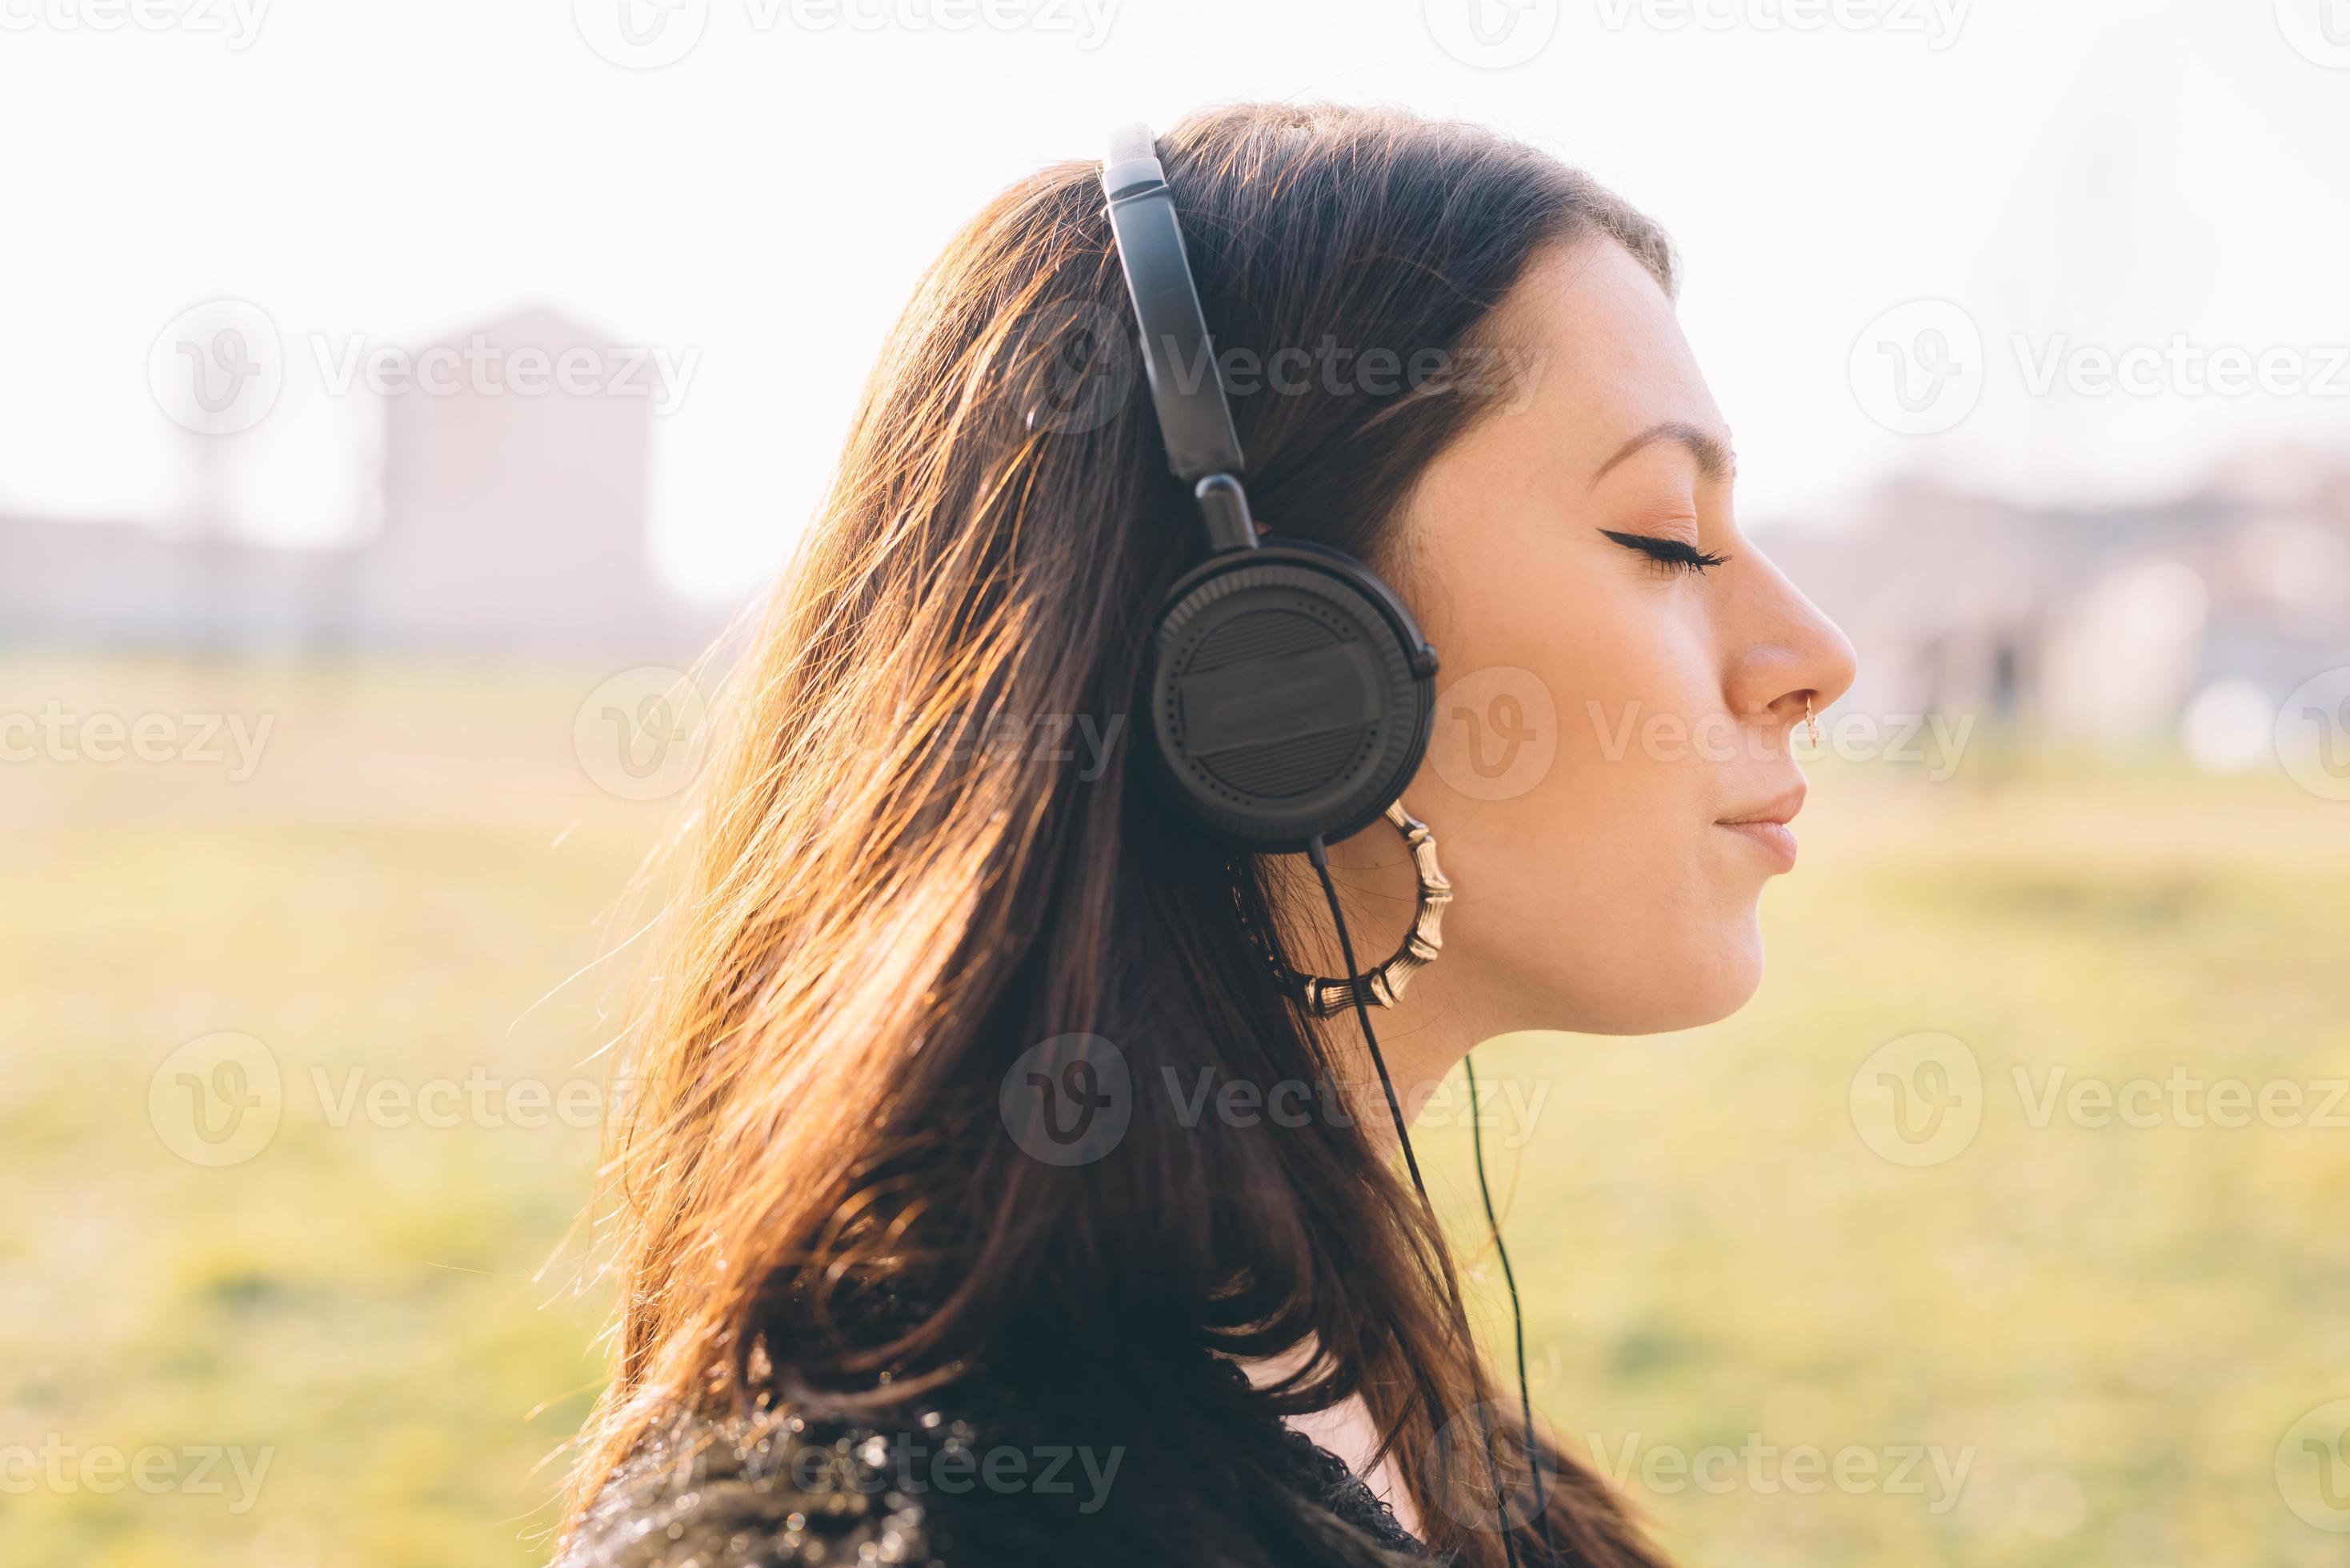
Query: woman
point(965, 1219)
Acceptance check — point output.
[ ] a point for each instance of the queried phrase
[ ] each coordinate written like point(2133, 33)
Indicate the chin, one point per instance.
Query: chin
point(1710, 979)
point(1728, 980)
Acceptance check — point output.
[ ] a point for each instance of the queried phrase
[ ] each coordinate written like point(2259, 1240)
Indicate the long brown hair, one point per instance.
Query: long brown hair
point(892, 887)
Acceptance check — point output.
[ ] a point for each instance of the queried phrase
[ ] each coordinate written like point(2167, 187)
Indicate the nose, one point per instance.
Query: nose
point(1785, 652)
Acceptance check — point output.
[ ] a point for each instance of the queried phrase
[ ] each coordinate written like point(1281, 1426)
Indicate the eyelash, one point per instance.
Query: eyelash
point(1671, 553)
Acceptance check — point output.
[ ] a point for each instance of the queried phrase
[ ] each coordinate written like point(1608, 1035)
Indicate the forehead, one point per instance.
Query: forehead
point(1607, 354)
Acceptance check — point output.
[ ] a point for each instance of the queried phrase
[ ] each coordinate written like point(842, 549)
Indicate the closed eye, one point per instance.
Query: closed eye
point(1677, 554)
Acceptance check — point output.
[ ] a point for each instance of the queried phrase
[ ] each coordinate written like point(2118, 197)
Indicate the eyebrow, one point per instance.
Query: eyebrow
point(1714, 459)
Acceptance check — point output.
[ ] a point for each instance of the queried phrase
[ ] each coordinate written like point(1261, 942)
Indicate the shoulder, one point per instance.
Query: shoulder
point(938, 1487)
point(766, 1489)
point(925, 1487)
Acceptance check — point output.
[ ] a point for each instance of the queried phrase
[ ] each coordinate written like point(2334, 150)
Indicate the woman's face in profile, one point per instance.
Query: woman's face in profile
point(1623, 675)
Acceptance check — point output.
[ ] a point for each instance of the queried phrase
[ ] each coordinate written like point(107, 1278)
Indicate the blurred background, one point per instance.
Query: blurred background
point(399, 399)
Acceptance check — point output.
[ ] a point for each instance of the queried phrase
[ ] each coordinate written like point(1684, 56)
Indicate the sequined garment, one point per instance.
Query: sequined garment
point(938, 1491)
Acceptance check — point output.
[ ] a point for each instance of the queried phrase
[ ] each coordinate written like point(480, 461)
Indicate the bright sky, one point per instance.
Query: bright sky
point(2089, 174)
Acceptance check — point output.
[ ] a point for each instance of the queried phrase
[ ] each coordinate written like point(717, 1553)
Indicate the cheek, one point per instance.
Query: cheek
point(1577, 830)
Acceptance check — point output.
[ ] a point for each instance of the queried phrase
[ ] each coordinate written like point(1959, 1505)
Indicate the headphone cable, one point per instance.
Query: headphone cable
point(1318, 853)
point(1517, 1316)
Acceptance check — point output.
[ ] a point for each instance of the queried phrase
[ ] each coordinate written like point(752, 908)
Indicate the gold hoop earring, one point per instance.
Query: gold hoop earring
point(1326, 998)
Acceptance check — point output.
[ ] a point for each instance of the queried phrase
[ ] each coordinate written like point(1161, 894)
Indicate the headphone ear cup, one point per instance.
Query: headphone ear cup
point(1291, 696)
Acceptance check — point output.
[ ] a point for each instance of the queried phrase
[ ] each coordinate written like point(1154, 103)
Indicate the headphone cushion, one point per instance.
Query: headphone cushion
point(1291, 696)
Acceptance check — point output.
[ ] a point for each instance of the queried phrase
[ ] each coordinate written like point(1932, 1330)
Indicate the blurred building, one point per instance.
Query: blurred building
point(503, 524)
point(2115, 624)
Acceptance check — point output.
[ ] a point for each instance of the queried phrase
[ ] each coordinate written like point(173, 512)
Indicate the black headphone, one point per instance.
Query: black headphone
point(1291, 693)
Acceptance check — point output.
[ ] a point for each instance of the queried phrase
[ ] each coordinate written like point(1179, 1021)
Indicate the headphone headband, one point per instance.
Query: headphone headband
point(1290, 692)
point(1179, 357)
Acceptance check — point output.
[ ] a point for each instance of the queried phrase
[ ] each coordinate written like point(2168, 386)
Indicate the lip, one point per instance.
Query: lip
point(1766, 827)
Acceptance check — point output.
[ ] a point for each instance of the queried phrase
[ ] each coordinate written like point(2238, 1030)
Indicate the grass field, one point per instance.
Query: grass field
point(2048, 1342)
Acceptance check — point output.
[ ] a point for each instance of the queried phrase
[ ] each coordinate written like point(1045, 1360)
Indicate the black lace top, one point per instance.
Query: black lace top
point(933, 1489)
